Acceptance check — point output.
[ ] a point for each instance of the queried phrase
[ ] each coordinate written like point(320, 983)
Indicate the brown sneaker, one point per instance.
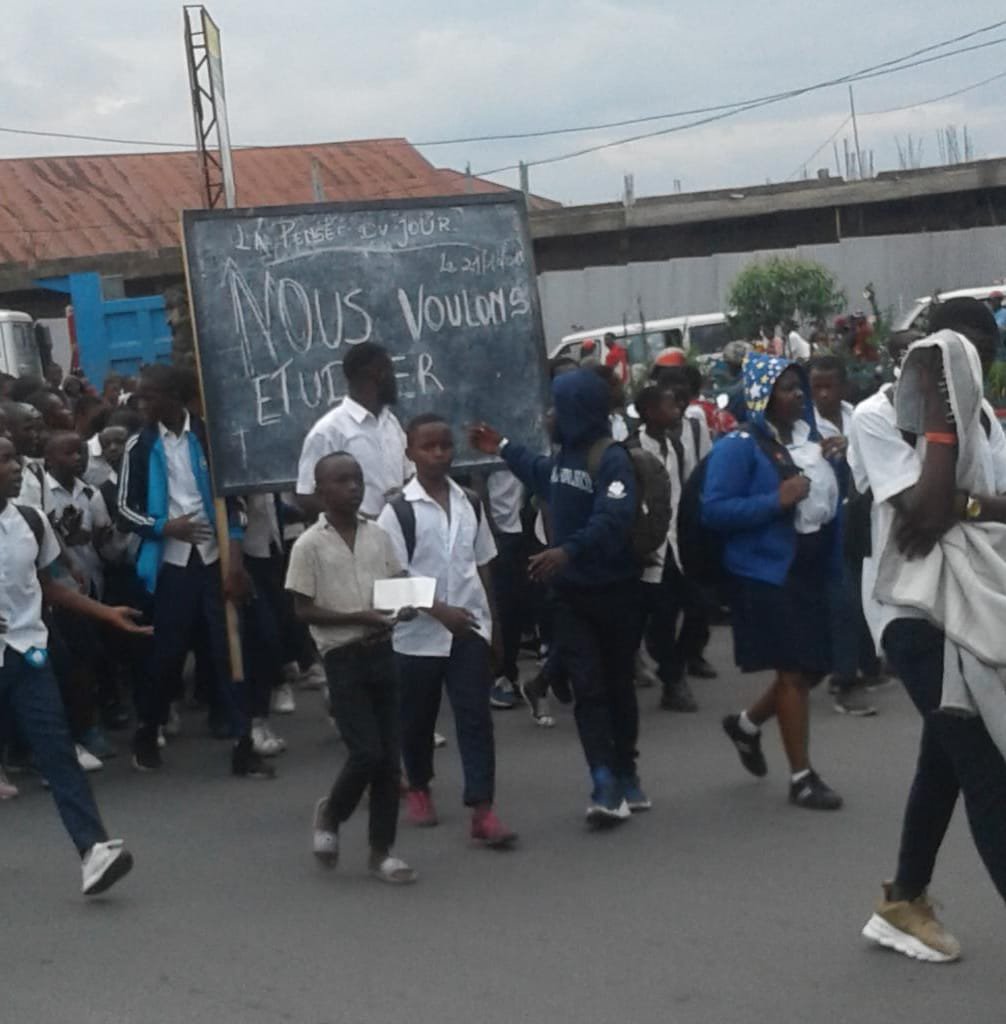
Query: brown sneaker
point(911, 927)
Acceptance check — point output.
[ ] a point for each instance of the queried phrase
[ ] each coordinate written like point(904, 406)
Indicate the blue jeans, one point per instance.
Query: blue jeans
point(956, 754)
point(466, 676)
point(30, 697)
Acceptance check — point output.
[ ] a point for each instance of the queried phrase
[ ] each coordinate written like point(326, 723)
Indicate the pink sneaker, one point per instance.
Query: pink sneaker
point(7, 788)
point(419, 808)
point(488, 829)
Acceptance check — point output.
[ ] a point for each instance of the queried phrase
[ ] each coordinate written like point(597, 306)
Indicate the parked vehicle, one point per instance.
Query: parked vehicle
point(19, 351)
point(702, 333)
point(917, 316)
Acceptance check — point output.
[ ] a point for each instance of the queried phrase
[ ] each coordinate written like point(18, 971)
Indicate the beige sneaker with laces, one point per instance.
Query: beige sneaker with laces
point(911, 927)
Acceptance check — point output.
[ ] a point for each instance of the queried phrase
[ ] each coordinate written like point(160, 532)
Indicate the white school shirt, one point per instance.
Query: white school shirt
point(882, 461)
point(449, 550)
point(93, 517)
point(184, 497)
point(34, 489)
point(821, 503)
point(98, 470)
point(376, 442)
point(506, 499)
point(697, 413)
point(21, 558)
point(828, 429)
point(654, 572)
point(262, 537)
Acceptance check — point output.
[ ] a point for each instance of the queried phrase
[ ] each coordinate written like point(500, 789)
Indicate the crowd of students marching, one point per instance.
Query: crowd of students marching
point(110, 580)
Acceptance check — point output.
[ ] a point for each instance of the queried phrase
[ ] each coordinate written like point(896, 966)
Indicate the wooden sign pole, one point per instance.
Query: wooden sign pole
point(219, 505)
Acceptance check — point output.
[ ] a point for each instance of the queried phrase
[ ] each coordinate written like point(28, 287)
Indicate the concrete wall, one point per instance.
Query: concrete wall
point(901, 268)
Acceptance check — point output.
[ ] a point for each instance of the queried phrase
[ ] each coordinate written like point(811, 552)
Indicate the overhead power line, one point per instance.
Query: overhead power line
point(877, 71)
point(723, 109)
point(896, 110)
point(544, 133)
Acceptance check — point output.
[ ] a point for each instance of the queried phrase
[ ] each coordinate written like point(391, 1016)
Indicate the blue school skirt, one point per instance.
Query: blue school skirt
point(786, 628)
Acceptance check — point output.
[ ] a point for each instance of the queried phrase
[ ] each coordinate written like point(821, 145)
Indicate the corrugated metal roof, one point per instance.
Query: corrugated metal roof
point(55, 208)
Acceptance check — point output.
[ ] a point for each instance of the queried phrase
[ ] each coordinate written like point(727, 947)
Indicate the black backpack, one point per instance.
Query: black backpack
point(700, 547)
point(653, 495)
point(33, 518)
point(406, 516)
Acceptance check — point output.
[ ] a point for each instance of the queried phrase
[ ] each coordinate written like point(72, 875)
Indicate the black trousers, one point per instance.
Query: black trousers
point(189, 614)
point(261, 639)
point(597, 632)
point(363, 690)
point(510, 584)
point(956, 754)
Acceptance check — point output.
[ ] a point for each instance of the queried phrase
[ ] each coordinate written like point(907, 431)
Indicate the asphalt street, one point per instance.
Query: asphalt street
point(723, 904)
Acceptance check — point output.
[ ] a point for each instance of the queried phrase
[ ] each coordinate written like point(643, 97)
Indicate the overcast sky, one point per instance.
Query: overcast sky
point(324, 70)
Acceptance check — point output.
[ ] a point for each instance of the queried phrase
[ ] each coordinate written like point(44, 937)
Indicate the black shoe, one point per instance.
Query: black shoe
point(748, 747)
point(114, 717)
point(813, 793)
point(678, 697)
point(249, 765)
point(146, 753)
point(701, 669)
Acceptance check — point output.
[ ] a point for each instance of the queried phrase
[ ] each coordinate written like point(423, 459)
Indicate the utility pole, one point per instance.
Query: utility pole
point(524, 186)
point(855, 132)
point(317, 188)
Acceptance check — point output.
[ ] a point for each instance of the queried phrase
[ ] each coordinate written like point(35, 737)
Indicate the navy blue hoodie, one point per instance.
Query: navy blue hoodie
point(591, 519)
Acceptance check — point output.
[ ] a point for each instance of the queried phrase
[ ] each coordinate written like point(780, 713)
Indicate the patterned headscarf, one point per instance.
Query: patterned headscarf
point(761, 371)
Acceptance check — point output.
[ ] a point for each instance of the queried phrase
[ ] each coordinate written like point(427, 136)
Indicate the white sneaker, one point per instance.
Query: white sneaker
point(265, 742)
point(104, 864)
point(7, 788)
point(314, 678)
point(173, 726)
point(324, 842)
point(283, 702)
point(87, 761)
point(439, 741)
point(162, 740)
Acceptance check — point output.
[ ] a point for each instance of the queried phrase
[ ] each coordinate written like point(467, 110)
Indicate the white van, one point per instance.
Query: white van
point(917, 316)
point(703, 333)
point(19, 355)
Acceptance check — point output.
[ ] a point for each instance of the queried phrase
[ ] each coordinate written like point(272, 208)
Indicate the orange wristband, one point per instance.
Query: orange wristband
point(936, 438)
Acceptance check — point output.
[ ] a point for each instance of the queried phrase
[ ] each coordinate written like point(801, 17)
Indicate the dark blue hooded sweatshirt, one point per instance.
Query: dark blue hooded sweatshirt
point(591, 519)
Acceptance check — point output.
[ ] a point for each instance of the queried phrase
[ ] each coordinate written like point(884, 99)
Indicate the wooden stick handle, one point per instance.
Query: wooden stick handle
point(230, 611)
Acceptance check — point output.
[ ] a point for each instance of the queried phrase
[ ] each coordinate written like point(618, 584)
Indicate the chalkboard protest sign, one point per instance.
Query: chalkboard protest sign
point(280, 294)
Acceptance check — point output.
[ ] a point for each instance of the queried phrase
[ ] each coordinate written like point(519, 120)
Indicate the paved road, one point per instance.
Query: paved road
point(722, 905)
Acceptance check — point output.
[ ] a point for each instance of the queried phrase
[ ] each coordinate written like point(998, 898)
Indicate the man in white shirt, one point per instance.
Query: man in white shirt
point(27, 431)
point(915, 501)
point(363, 425)
point(797, 347)
point(28, 689)
point(165, 496)
point(437, 531)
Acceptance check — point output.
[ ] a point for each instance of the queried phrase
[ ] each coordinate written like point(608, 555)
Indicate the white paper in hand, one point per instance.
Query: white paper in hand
point(404, 592)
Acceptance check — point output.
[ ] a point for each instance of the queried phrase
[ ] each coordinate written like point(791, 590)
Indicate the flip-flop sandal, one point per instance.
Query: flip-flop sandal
point(394, 872)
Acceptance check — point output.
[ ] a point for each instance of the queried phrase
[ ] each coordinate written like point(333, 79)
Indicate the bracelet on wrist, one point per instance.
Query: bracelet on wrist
point(940, 437)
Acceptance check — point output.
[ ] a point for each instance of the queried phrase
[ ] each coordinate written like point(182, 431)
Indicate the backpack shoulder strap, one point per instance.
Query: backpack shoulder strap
point(33, 518)
point(596, 453)
point(696, 433)
point(476, 503)
point(406, 516)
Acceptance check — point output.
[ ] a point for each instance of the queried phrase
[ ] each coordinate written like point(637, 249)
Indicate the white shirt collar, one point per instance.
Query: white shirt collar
point(55, 485)
point(186, 427)
point(415, 491)
point(357, 411)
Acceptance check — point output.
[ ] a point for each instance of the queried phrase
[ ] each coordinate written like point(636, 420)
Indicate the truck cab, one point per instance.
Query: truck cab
point(19, 353)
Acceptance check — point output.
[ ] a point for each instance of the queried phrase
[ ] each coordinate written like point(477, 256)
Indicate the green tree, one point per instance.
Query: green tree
point(781, 290)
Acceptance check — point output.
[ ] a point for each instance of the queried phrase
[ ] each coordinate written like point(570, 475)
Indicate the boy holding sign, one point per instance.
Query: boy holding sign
point(334, 565)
